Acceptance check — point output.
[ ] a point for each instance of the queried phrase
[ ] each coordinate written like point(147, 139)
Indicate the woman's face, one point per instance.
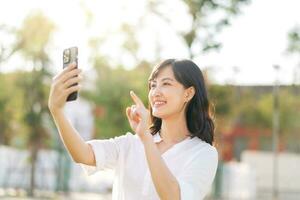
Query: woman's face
point(166, 95)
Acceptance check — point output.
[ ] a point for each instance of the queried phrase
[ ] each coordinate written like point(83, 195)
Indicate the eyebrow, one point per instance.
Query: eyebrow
point(164, 79)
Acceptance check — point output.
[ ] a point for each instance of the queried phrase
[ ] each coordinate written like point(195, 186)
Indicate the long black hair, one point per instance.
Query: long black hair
point(198, 114)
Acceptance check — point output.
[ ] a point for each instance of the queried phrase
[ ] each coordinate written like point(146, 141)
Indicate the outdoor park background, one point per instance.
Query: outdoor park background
point(248, 50)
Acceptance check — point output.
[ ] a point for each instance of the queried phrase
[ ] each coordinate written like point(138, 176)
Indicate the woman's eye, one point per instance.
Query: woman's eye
point(154, 85)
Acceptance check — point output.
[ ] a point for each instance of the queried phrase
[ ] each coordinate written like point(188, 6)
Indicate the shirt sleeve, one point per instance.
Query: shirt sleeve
point(198, 176)
point(107, 152)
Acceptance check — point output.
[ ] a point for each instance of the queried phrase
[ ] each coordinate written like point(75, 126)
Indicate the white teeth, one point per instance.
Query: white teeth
point(159, 102)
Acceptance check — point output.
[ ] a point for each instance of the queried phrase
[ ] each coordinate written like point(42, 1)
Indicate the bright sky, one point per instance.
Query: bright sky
point(255, 41)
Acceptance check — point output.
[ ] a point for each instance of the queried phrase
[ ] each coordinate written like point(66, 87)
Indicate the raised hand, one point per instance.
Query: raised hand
point(61, 87)
point(138, 116)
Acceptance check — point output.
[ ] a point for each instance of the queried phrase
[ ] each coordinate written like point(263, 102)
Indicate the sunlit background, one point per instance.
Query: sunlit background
point(248, 50)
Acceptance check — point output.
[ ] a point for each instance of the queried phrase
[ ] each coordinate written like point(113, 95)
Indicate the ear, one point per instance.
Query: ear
point(189, 93)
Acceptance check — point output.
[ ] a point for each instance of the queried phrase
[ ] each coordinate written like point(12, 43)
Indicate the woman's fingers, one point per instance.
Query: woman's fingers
point(72, 81)
point(141, 110)
point(132, 122)
point(66, 76)
point(137, 114)
point(136, 99)
point(66, 79)
point(132, 114)
point(74, 72)
point(72, 89)
point(128, 112)
point(65, 70)
point(63, 85)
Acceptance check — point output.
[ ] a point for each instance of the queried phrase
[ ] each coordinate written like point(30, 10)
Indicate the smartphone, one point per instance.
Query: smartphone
point(70, 55)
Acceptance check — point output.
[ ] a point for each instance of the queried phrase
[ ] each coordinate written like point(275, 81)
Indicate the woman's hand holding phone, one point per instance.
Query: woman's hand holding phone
point(62, 86)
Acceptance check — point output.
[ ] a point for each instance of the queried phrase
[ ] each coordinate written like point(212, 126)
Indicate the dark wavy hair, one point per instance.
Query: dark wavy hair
point(198, 114)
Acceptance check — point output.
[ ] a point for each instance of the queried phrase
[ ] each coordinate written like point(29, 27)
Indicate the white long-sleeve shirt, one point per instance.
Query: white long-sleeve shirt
point(192, 161)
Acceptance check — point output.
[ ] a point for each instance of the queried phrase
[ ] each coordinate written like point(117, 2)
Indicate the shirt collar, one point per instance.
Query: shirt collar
point(157, 138)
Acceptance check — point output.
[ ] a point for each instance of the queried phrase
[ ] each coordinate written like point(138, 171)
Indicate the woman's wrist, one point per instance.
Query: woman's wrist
point(55, 111)
point(146, 137)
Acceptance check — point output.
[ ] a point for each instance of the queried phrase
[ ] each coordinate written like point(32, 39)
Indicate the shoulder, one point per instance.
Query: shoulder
point(119, 141)
point(204, 146)
point(125, 139)
point(126, 136)
point(205, 151)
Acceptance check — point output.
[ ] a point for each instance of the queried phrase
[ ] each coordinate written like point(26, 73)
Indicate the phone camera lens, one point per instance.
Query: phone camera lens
point(66, 57)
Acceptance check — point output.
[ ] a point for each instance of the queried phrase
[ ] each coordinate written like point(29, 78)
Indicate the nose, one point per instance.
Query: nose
point(156, 92)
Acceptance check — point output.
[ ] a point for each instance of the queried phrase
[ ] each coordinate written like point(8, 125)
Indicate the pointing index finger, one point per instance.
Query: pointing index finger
point(136, 99)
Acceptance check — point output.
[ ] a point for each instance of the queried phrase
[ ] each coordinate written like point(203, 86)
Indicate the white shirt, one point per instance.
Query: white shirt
point(192, 161)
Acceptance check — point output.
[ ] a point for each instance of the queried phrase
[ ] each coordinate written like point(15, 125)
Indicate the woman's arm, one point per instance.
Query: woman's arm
point(63, 85)
point(164, 181)
point(80, 151)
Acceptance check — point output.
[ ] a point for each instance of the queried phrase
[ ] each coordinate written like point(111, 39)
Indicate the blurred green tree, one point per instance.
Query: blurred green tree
point(208, 18)
point(294, 40)
point(254, 108)
point(114, 82)
point(7, 50)
point(111, 95)
point(294, 48)
point(32, 40)
point(11, 125)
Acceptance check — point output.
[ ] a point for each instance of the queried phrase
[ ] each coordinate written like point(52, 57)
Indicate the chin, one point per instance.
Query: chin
point(160, 115)
point(156, 114)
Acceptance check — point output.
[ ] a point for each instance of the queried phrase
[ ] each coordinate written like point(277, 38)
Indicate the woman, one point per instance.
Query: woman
point(170, 156)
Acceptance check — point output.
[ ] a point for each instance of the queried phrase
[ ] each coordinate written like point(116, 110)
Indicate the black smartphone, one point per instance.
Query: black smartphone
point(70, 55)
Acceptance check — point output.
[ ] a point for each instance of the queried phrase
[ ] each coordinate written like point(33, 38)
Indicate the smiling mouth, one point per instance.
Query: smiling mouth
point(158, 104)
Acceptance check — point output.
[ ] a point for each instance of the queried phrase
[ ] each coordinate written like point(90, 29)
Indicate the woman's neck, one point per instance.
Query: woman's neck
point(174, 129)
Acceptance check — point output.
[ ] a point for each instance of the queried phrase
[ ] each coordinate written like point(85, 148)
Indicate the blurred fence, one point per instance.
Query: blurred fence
point(52, 169)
